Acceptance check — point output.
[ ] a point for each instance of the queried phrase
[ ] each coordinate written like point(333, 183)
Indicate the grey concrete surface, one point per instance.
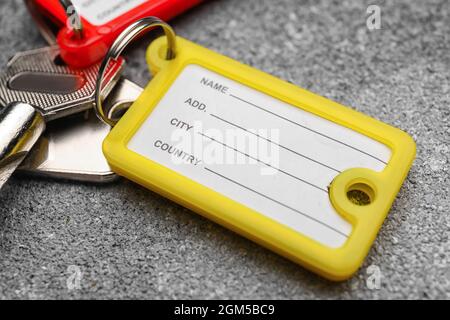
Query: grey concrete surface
point(131, 243)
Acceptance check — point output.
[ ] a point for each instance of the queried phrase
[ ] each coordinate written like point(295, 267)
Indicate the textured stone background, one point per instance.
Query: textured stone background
point(131, 243)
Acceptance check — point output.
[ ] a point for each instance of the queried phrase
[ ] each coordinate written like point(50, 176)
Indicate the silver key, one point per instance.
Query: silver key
point(56, 155)
point(38, 77)
point(20, 127)
point(47, 91)
point(72, 148)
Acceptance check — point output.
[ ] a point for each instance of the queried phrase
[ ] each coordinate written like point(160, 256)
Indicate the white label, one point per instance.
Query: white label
point(269, 156)
point(100, 12)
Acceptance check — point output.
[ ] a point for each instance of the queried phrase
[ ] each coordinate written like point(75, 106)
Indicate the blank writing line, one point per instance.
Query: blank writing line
point(267, 164)
point(281, 146)
point(304, 127)
point(278, 202)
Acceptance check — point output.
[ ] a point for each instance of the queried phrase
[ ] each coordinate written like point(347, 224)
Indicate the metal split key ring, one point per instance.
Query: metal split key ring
point(125, 38)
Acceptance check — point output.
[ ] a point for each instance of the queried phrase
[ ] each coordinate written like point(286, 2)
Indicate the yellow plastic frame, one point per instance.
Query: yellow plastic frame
point(335, 264)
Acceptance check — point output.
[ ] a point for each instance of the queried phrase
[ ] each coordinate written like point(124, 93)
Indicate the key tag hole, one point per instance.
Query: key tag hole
point(357, 194)
point(157, 56)
point(361, 194)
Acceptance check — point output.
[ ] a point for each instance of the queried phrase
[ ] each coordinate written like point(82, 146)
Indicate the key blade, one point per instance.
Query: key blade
point(72, 148)
point(39, 78)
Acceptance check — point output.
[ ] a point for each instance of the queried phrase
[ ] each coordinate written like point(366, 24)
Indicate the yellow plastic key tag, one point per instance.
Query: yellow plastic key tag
point(295, 172)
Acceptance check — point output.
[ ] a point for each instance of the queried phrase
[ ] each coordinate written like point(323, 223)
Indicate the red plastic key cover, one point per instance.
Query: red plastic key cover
point(98, 32)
